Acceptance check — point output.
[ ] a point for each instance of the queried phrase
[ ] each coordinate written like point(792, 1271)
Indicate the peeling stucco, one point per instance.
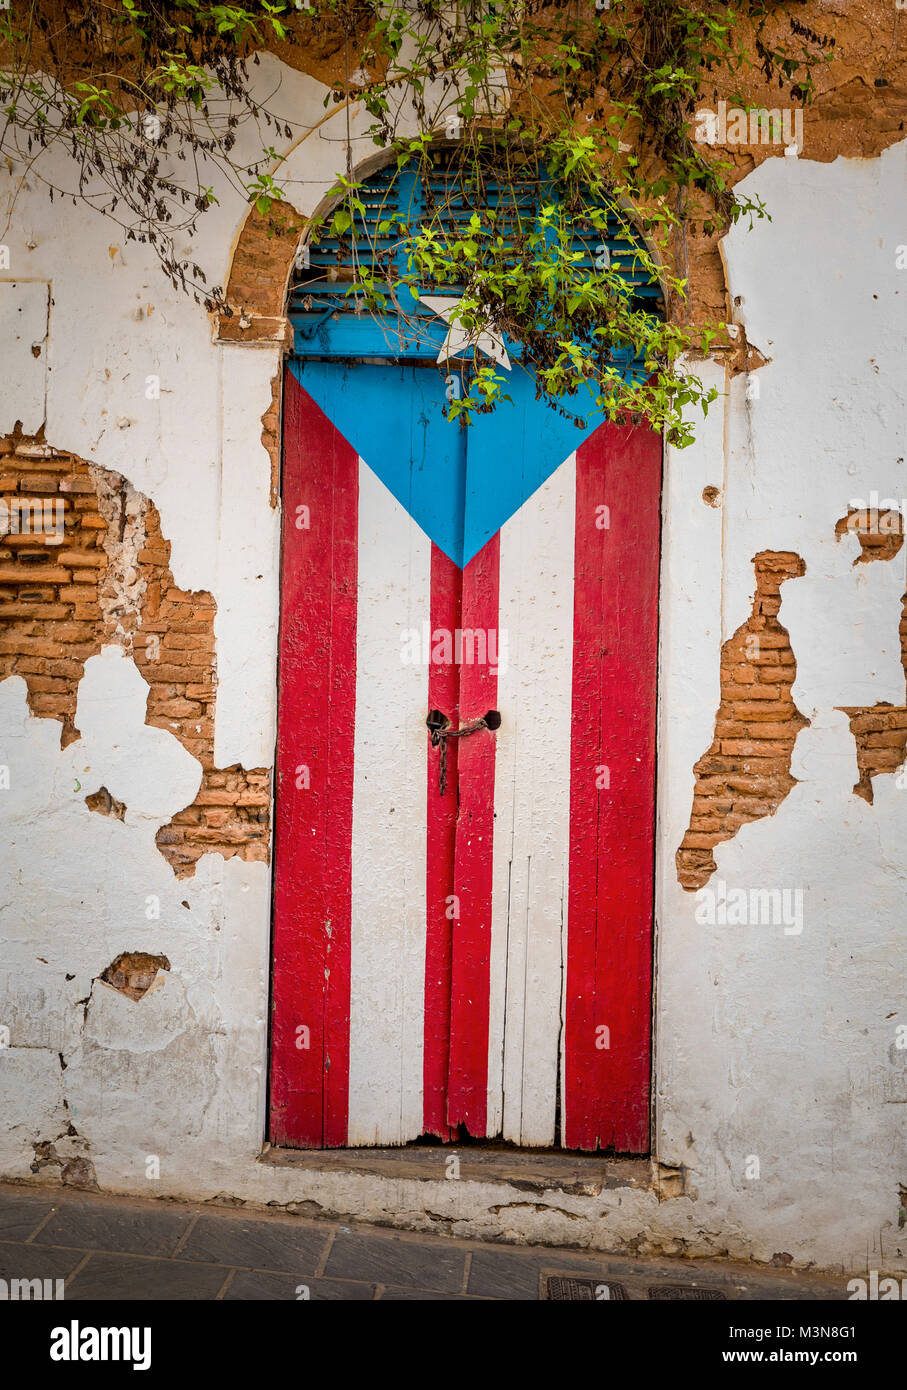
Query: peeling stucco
point(103, 576)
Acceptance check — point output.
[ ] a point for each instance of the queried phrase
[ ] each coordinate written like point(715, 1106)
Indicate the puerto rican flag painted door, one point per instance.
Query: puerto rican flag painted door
point(479, 961)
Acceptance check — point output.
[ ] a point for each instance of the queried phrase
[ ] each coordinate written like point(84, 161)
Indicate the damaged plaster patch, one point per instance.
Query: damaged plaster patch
point(123, 585)
point(738, 355)
point(134, 973)
point(105, 804)
point(76, 1168)
point(271, 435)
point(881, 534)
point(256, 290)
point(746, 772)
point(540, 1208)
point(230, 814)
point(145, 768)
point(880, 732)
point(668, 1181)
point(879, 729)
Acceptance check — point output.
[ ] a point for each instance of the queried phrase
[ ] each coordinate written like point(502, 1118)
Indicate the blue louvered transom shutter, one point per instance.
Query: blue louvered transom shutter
point(327, 314)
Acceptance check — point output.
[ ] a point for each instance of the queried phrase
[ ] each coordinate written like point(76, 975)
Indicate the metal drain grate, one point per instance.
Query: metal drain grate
point(567, 1289)
point(663, 1291)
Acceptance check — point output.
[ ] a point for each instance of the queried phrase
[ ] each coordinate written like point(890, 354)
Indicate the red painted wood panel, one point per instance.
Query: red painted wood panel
point(609, 955)
point(470, 973)
point(313, 829)
point(441, 821)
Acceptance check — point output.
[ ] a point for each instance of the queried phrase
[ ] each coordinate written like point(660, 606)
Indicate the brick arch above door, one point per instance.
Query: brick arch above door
point(260, 265)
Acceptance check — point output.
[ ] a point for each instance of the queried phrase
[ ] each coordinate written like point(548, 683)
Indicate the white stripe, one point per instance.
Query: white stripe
point(532, 812)
point(387, 988)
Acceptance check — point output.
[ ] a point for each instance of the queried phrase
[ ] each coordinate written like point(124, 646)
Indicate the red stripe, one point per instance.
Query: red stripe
point(313, 830)
point(609, 932)
point(470, 974)
point(441, 821)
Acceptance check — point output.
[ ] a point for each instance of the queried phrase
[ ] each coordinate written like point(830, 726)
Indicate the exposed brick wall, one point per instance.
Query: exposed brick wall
point(50, 610)
point(107, 579)
point(230, 815)
point(256, 291)
point(133, 973)
point(881, 534)
point(746, 772)
point(880, 731)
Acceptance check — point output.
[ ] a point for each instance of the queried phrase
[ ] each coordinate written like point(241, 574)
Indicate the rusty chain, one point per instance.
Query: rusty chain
point(439, 738)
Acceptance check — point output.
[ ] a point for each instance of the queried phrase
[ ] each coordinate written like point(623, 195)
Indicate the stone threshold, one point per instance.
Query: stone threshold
point(581, 1175)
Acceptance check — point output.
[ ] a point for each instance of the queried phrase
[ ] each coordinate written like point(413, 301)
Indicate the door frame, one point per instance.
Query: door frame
point(424, 347)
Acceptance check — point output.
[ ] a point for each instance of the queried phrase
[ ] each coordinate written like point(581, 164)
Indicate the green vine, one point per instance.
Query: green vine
point(594, 99)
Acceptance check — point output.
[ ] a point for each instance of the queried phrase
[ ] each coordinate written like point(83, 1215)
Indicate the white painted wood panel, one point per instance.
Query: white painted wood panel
point(387, 988)
point(532, 810)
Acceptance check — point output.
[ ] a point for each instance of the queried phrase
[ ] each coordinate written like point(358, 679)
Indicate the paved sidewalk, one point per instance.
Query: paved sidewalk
point(123, 1248)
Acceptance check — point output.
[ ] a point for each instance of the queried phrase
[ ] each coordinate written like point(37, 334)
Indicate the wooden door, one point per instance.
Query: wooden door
point(478, 960)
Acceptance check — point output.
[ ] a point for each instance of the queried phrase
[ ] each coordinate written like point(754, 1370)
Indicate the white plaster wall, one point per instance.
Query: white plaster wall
point(768, 1045)
point(775, 1045)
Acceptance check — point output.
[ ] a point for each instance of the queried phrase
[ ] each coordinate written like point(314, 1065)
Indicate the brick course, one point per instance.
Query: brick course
point(746, 772)
point(880, 731)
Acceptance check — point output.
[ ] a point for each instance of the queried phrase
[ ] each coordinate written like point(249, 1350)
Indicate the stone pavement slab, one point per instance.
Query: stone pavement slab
point(21, 1213)
point(89, 1226)
point(113, 1247)
point(129, 1277)
point(19, 1261)
point(259, 1285)
point(395, 1260)
point(295, 1249)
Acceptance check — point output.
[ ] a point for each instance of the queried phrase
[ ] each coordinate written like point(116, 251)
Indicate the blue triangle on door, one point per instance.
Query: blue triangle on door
point(458, 484)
